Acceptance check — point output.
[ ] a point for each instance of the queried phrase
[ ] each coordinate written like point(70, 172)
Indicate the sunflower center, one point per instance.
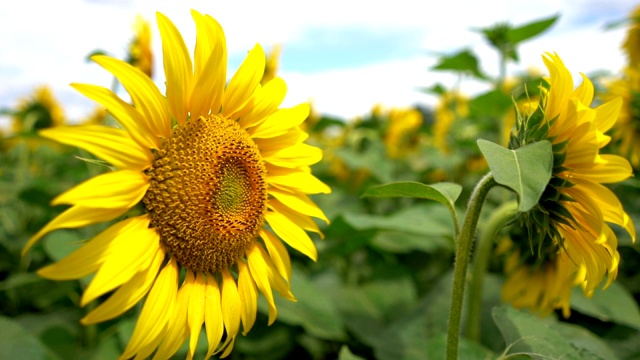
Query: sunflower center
point(208, 193)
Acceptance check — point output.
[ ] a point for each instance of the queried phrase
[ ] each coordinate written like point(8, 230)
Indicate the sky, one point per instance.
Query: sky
point(343, 56)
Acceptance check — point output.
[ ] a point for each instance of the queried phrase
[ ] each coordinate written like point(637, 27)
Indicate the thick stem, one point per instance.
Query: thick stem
point(463, 252)
point(498, 219)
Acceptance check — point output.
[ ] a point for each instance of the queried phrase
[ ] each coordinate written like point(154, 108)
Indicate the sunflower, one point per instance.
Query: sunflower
point(452, 106)
point(272, 64)
point(627, 128)
point(400, 136)
point(222, 175)
point(566, 240)
point(631, 44)
point(40, 110)
point(140, 54)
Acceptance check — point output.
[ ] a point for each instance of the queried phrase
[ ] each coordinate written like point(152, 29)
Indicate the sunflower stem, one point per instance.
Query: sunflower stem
point(499, 217)
point(463, 252)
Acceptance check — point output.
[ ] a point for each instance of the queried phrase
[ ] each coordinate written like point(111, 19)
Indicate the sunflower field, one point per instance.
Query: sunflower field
point(208, 221)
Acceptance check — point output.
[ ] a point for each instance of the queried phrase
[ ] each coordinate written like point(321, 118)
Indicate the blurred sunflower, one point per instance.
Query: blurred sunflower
point(401, 131)
point(272, 64)
point(40, 110)
point(631, 44)
point(212, 165)
point(140, 54)
point(565, 240)
point(627, 129)
point(452, 106)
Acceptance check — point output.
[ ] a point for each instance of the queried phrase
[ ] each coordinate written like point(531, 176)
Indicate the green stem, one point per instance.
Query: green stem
point(463, 252)
point(482, 255)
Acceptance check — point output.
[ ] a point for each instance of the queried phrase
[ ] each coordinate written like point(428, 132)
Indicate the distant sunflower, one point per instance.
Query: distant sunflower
point(211, 164)
point(272, 64)
point(401, 131)
point(631, 43)
point(452, 106)
point(627, 129)
point(40, 110)
point(140, 53)
point(565, 240)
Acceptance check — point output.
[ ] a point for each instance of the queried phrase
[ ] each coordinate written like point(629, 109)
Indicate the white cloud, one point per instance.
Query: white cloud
point(43, 43)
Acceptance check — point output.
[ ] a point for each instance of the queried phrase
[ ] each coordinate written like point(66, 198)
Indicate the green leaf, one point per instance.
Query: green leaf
point(539, 338)
point(464, 61)
point(18, 344)
point(346, 354)
point(615, 304)
point(530, 30)
point(526, 171)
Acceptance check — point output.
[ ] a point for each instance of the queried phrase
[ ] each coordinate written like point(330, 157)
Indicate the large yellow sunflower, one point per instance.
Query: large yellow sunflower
point(222, 175)
point(566, 239)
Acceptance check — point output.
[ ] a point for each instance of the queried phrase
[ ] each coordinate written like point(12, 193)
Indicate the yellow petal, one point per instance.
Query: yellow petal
point(265, 102)
point(213, 315)
point(296, 180)
point(117, 189)
point(292, 234)
point(177, 68)
point(90, 256)
point(260, 273)
point(298, 202)
point(584, 92)
point(607, 114)
point(299, 219)
point(128, 295)
point(74, 217)
point(211, 66)
point(294, 156)
point(230, 304)
point(278, 253)
point(156, 311)
point(280, 122)
point(177, 326)
point(244, 82)
point(195, 312)
point(608, 169)
point(145, 95)
point(111, 145)
point(132, 251)
point(140, 129)
point(248, 297)
point(292, 137)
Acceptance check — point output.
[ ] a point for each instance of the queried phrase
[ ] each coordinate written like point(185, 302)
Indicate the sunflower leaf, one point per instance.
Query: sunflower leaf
point(526, 170)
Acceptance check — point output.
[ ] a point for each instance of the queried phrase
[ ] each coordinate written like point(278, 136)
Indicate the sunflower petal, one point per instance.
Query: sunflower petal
point(211, 66)
point(177, 68)
point(298, 202)
point(260, 273)
point(299, 219)
point(295, 156)
point(292, 234)
point(296, 180)
point(280, 122)
point(132, 252)
point(117, 189)
point(195, 312)
point(145, 95)
point(139, 128)
point(111, 145)
point(244, 82)
point(74, 217)
point(214, 324)
point(230, 304)
point(128, 295)
point(607, 114)
point(88, 258)
point(177, 326)
point(248, 297)
point(607, 169)
point(265, 102)
point(157, 309)
point(278, 253)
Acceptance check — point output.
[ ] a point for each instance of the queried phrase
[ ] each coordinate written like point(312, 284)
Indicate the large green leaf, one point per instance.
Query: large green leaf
point(463, 61)
point(532, 29)
point(18, 344)
point(615, 304)
point(526, 171)
point(540, 338)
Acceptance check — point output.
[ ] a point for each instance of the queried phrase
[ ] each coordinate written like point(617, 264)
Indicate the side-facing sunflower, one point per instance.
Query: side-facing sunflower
point(566, 240)
point(140, 54)
point(222, 175)
point(40, 110)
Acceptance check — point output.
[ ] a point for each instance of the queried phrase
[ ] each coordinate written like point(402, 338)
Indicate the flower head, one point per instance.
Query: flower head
point(566, 239)
point(38, 111)
point(631, 44)
point(140, 54)
point(212, 164)
point(452, 106)
point(400, 135)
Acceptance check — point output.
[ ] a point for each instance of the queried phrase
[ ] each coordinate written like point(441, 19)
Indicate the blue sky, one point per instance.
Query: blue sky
point(344, 56)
